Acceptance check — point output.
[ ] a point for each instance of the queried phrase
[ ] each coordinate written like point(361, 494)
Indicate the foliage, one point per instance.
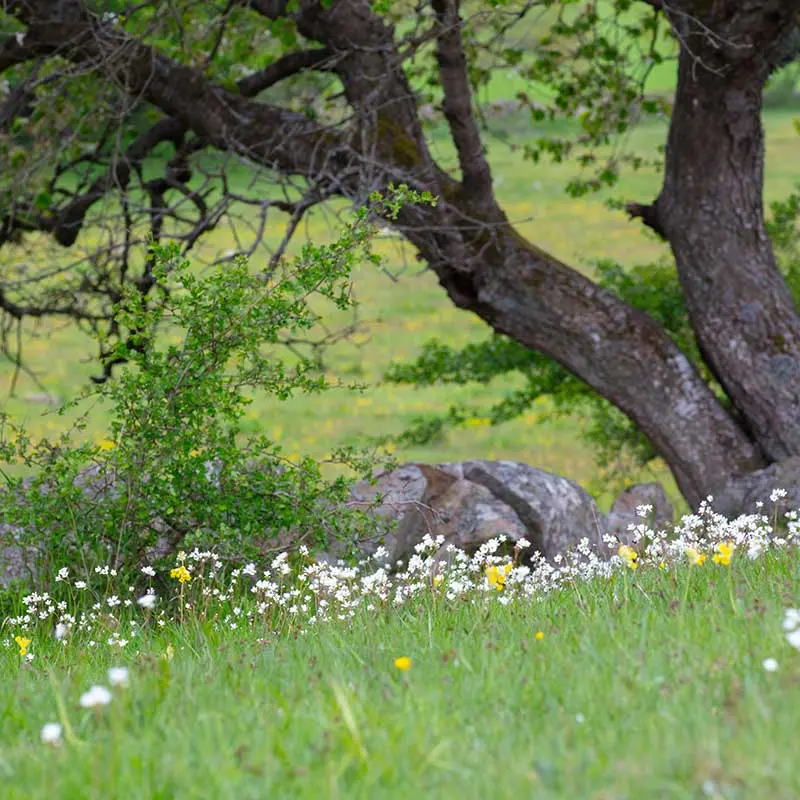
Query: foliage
point(174, 468)
point(783, 90)
point(620, 447)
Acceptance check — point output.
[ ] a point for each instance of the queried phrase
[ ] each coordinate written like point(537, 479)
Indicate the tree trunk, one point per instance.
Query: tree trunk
point(622, 353)
point(711, 211)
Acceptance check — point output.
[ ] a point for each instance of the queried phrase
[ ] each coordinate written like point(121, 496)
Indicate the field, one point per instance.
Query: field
point(399, 314)
point(661, 682)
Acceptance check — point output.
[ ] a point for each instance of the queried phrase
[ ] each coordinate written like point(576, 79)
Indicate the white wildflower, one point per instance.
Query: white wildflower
point(96, 696)
point(147, 601)
point(770, 664)
point(118, 676)
point(791, 619)
point(793, 637)
point(51, 734)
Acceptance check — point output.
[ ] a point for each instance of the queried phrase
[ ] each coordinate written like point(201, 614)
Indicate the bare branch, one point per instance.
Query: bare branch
point(286, 66)
point(22, 47)
point(475, 171)
point(648, 214)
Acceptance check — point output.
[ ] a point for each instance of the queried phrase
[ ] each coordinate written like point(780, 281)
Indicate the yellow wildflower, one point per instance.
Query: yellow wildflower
point(403, 663)
point(181, 573)
point(629, 556)
point(696, 558)
point(497, 576)
point(662, 564)
point(539, 636)
point(724, 553)
point(106, 444)
point(437, 579)
point(23, 644)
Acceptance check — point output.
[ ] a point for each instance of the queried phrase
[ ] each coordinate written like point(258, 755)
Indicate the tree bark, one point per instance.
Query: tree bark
point(711, 211)
point(622, 353)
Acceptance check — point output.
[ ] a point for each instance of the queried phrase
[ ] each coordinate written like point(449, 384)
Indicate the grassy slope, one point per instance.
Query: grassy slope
point(667, 680)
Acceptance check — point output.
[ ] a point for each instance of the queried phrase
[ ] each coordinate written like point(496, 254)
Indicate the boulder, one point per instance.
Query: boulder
point(464, 512)
point(557, 512)
point(472, 502)
point(740, 495)
point(623, 511)
point(388, 499)
point(16, 561)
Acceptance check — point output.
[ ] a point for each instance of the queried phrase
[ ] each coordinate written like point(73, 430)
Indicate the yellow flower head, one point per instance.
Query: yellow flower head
point(497, 576)
point(629, 556)
point(437, 579)
point(724, 553)
point(539, 636)
point(695, 557)
point(403, 663)
point(23, 644)
point(180, 573)
point(106, 444)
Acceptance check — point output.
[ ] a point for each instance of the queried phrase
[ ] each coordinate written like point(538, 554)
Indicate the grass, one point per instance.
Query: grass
point(648, 684)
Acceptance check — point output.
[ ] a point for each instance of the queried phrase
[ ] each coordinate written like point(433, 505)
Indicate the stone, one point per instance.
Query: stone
point(740, 495)
point(623, 511)
point(465, 513)
point(557, 512)
point(16, 561)
point(472, 502)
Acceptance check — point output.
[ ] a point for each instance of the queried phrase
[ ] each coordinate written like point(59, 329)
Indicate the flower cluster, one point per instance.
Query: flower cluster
point(296, 592)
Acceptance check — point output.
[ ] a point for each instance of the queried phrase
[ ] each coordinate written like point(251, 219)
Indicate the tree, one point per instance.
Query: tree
point(99, 88)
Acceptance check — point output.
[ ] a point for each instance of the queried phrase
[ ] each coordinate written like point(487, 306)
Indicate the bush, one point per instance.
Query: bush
point(175, 468)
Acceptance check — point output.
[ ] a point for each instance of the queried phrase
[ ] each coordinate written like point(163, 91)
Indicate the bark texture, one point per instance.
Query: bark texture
point(711, 211)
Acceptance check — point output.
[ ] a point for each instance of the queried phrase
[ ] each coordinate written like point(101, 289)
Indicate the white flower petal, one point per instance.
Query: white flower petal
point(118, 676)
point(96, 696)
point(51, 733)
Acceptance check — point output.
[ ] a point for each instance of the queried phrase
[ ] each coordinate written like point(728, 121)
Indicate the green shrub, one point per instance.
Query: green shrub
point(175, 469)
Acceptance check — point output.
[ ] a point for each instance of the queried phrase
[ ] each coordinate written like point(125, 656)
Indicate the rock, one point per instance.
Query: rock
point(471, 502)
point(16, 561)
point(465, 513)
point(400, 490)
point(623, 511)
point(740, 495)
point(557, 512)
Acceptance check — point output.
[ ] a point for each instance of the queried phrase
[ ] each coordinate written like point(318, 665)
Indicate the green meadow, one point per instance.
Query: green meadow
point(673, 682)
point(671, 675)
